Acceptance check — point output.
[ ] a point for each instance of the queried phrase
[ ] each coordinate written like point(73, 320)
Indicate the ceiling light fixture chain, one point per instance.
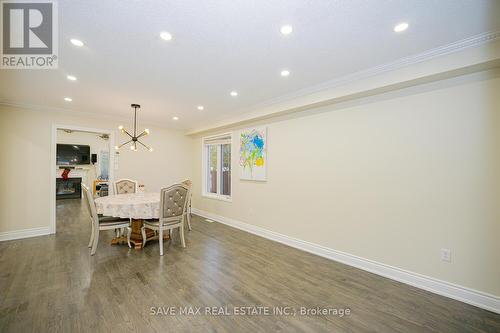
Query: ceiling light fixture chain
point(134, 138)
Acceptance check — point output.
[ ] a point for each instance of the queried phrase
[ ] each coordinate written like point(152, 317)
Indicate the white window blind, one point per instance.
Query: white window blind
point(218, 139)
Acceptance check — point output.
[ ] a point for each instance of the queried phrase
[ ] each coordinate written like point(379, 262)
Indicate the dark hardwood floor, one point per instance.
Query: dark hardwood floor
point(52, 284)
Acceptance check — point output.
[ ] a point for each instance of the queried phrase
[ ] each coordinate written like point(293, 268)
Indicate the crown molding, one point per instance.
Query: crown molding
point(400, 63)
point(77, 113)
point(442, 51)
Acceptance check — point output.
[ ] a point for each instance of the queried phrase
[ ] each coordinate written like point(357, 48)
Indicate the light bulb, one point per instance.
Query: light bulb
point(116, 147)
point(166, 35)
point(120, 127)
point(132, 147)
point(401, 27)
point(150, 149)
point(285, 72)
point(286, 29)
point(146, 131)
point(76, 42)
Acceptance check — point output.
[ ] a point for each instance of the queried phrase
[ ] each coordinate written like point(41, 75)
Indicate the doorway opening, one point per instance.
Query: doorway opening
point(79, 156)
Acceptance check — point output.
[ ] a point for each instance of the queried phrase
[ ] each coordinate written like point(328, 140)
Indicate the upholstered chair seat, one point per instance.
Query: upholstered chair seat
point(112, 220)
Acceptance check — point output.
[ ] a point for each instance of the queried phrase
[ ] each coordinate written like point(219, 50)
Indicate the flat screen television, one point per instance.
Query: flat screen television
point(73, 154)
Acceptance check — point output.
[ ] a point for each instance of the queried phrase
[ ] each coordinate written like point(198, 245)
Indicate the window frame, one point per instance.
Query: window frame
point(204, 167)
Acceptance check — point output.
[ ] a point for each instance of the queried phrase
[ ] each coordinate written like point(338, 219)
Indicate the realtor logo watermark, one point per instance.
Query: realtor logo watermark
point(28, 34)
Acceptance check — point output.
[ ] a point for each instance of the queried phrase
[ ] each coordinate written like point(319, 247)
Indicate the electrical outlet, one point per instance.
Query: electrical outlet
point(446, 255)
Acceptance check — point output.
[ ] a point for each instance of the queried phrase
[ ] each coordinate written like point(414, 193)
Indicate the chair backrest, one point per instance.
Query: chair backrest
point(124, 185)
point(173, 202)
point(89, 201)
point(187, 182)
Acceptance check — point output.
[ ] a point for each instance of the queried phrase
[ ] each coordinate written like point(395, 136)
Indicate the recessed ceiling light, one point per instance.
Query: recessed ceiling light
point(401, 27)
point(67, 99)
point(285, 72)
point(71, 77)
point(200, 107)
point(234, 93)
point(166, 35)
point(286, 29)
point(175, 118)
point(76, 42)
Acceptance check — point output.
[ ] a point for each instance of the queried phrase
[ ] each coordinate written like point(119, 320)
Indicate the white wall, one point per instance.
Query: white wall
point(392, 179)
point(25, 175)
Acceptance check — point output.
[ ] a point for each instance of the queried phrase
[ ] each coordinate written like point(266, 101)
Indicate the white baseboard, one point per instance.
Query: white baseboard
point(457, 292)
point(24, 233)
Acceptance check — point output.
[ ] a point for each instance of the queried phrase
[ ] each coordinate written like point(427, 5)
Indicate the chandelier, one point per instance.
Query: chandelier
point(134, 139)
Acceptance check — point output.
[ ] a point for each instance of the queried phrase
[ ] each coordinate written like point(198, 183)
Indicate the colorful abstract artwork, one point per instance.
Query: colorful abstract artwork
point(253, 154)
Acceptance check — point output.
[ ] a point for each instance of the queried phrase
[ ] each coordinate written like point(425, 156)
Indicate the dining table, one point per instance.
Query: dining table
point(138, 207)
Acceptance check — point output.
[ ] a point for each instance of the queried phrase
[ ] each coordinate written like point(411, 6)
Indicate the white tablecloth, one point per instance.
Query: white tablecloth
point(131, 205)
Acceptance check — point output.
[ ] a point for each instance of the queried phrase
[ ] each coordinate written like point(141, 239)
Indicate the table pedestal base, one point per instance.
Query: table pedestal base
point(136, 237)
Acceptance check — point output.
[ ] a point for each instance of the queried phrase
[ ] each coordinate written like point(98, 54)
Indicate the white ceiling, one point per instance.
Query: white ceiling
point(219, 46)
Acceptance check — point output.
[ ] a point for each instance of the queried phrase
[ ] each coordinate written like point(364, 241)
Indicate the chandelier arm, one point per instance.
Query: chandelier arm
point(125, 131)
point(123, 144)
point(144, 145)
point(142, 134)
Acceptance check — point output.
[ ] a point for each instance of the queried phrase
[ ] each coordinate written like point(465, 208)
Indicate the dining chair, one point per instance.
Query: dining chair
point(188, 183)
point(173, 203)
point(124, 185)
point(102, 222)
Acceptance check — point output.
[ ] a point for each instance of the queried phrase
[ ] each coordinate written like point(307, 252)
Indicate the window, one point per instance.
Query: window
point(217, 166)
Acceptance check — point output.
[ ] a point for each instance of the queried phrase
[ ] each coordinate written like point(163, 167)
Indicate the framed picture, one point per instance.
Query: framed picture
point(253, 154)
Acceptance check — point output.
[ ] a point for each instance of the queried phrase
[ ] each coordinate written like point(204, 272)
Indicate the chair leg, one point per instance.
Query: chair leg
point(129, 232)
point(189, 221)
point(161, 241)
point(143, 232)
point(189, 214)
point(94, 243)
point(91, 236)
point(181, 234)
